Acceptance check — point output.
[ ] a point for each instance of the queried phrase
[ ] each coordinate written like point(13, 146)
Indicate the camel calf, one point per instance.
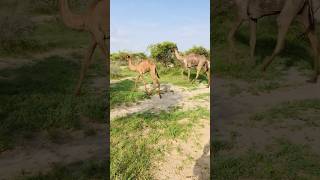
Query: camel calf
point(143, 67)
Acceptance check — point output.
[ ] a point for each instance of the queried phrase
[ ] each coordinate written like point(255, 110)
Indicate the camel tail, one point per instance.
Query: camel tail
point(157, 73)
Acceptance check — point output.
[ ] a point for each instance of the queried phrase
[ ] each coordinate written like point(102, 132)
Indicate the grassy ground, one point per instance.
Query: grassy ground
point(281, 160)
point(37, 98)
point(146, 138)
point(259, 132)
point(40, 97)
point(141, 139)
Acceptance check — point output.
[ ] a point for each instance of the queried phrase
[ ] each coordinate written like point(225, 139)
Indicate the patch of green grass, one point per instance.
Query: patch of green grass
point(92, 169)
point(283, 160)
point(293, 110)
point(40, 96)
point(204, 96)
point(123, 93)
point(137, 140)
point(174, 76)
point(56, 35)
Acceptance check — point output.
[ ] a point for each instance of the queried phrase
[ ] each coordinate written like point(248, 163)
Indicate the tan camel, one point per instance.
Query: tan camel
point(193, 60)
point(286, 10)
point(95, 21)
point(143, 67)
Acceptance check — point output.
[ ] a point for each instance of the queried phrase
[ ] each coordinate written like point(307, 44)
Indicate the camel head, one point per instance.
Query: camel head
point(128, 57)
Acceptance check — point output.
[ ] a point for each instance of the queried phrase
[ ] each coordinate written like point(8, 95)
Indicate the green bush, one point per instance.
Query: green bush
point(199, 50)
point(162, 52)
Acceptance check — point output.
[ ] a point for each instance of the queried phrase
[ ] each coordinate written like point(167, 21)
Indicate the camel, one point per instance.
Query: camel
point(193, 60)
point(142, 68)
point(95, 21)
point(287, 11)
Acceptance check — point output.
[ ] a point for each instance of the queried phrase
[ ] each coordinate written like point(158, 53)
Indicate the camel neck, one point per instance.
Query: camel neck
point(131, 66)
point(178, 56)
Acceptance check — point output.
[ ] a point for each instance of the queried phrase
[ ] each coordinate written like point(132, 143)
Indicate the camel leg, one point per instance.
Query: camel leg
point(157, 84)
point(284, 21)
point(305, 21)
point(84, 66)
point(197, 75)
point(253, 38)
point(156, 81)
point(199, 67)
point(100, 39)
point(208, 76)
point(136, 81)
point(145, 85)
point(189, 74)
point(314, 43)
point(233, 31)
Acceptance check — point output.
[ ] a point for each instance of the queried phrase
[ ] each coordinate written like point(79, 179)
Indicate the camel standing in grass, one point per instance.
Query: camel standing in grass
point(95, 21)
point(143, 67)
point(194, 60)
point(287, 11)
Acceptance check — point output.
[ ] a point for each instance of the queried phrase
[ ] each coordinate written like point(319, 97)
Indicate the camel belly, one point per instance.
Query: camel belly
point(259, 8)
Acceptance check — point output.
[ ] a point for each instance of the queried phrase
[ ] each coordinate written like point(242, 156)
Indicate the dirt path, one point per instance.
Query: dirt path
point(188, 159)
point(16, 62)
point(39, 155)
point(232, 116)
point(172, 96)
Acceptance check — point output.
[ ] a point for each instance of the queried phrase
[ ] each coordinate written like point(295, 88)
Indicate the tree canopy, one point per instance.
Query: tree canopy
point(162, 52)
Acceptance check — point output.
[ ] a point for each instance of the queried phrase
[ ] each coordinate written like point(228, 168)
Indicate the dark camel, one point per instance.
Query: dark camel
point(142, 68)
point(193, 60)
point(287, 11)
point(95, 21)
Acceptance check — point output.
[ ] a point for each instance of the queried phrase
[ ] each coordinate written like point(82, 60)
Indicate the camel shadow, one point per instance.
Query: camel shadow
point(201, 169)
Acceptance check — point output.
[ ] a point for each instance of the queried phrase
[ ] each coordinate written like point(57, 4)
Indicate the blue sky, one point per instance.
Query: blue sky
point(135, 24)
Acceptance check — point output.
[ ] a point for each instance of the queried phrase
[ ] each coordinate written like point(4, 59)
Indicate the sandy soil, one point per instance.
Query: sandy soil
point(188, 159)
point(232, 114)
point(171, 96)
point(39, 155)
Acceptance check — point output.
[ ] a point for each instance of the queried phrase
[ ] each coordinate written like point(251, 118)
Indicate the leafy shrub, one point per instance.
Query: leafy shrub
point(199, 50)
point(162, 52)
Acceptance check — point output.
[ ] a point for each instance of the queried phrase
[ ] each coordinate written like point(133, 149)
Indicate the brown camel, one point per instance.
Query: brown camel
point(143, 67)
point(95, 21)
point(286, 10)
point(193, 60)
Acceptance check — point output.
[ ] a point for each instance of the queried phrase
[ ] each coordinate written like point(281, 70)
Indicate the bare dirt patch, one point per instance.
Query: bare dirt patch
point(172, 96)
point(39, 155)
point(232, 116)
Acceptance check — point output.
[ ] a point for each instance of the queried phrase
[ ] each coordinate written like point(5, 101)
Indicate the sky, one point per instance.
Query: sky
point(135, 24)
